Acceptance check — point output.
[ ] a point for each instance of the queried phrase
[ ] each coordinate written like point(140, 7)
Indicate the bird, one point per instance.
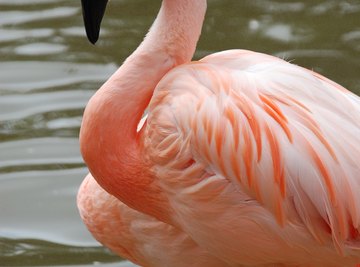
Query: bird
point(254, 159)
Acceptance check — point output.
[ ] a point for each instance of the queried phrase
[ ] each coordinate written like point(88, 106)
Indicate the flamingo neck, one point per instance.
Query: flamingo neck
point(109, 141)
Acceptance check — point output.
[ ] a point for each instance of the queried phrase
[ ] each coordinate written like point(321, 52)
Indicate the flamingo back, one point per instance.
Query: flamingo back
point(266, 151)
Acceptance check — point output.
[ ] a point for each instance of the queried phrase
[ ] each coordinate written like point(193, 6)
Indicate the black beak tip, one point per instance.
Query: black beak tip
point(93, 12)
point(92, 37)
point(93, 41)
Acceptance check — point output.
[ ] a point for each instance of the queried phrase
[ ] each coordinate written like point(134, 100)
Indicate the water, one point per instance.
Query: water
point(48, 71)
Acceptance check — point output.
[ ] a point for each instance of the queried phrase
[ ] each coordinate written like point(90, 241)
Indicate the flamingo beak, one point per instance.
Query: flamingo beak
point(93, 12)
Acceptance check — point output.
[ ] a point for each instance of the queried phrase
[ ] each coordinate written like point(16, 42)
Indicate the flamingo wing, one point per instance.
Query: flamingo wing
point(283, 135)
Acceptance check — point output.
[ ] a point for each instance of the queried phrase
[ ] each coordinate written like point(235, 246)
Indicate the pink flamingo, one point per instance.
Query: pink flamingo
point(250, 160)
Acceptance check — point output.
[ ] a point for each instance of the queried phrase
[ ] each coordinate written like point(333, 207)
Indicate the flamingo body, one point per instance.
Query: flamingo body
point(137, 236)
point(251, 160)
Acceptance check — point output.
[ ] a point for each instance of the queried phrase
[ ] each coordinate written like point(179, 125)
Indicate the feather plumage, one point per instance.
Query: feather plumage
point(268, 131)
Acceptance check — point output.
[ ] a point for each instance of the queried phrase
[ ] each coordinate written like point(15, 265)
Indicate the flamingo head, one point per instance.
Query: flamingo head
point(93, 12)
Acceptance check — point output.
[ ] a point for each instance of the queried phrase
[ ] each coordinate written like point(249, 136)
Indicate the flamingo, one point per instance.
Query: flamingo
point(248, 159)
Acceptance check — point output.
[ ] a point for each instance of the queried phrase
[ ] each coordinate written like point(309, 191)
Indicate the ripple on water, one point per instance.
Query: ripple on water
point(8, 35)
point(19, 17)
point(72, 122)
point(74, 31)
point(336, 6)
point(270, 6)
point(40, 205)
point(40, 49)
point(284, 33)
point(15, 108)
point(31, 252)
point(24, 76)
point(52, 195)
point(26, 2)
point(39, 152)
point(352, 39)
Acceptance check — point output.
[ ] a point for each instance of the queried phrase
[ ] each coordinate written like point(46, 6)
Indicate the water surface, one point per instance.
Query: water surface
point(48, 71)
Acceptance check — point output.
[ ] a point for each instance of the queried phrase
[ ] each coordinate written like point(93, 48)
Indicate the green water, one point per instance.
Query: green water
point(48, 71)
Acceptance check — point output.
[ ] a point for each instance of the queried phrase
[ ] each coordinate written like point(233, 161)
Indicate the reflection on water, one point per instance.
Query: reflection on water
point(18, 252)
point(48, 71)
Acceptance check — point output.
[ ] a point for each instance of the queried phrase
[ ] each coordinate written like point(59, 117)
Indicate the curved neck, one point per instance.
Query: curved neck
point(109, 142)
